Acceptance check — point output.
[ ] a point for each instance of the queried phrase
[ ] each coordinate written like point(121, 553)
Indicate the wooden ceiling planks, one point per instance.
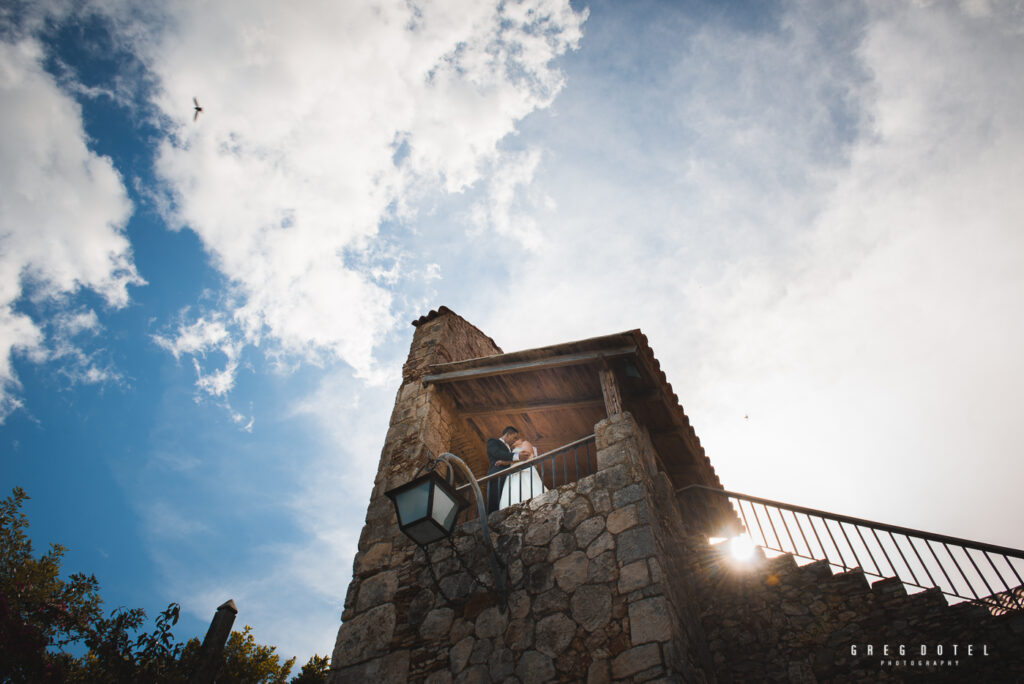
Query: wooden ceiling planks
point(526, 408)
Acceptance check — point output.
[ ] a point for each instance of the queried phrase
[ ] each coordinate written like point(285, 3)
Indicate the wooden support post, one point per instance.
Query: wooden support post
point(610, 390)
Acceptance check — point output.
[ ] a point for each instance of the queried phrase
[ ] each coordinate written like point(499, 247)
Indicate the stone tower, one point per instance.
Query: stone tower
point(610, 574)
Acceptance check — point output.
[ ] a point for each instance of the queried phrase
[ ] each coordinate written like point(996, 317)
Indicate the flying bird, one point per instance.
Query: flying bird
point(198, 108)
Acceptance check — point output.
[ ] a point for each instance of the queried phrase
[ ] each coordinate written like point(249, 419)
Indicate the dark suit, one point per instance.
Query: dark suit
point(497, 450)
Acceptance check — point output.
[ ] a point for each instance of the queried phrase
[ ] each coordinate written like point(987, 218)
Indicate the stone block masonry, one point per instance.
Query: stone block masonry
point(588, 599)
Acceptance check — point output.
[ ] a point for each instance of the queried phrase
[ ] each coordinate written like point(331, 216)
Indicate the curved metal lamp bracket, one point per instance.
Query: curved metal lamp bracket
point(481, 511)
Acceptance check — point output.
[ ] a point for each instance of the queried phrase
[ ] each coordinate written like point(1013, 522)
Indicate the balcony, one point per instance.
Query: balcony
point(555, 396)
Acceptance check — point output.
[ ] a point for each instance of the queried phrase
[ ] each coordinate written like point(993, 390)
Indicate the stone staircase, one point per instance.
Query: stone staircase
point(770, 619)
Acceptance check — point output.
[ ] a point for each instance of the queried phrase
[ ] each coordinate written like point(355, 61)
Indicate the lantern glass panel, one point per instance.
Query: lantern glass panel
point(412, 503)
point(445, 508)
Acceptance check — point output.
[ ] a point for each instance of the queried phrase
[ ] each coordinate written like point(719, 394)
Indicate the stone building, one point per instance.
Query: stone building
point(610, 573)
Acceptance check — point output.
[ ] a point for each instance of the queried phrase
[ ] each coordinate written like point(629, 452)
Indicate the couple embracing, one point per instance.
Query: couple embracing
point(504, 452)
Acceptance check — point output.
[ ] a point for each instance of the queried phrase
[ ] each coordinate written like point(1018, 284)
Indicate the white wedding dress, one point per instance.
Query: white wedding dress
point(521, 485)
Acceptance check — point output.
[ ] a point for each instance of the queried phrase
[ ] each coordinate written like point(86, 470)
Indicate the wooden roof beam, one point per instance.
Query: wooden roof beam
point(527, 366)
point(533, 407)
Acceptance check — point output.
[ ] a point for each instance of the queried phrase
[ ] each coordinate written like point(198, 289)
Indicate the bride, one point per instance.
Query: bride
point(525, 483)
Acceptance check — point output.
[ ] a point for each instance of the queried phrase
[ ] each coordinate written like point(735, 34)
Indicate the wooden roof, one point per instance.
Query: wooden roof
point(553, 396)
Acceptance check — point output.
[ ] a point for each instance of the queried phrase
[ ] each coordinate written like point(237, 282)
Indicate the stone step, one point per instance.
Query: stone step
point(933, 597)
point(780, 565)
point(851, 582)
point(890, 587)
point(970, 611)
point(1008, 601)
point(820, 569)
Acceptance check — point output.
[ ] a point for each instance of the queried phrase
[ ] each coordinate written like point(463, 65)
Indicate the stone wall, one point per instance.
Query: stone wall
point(421, 421)
point(590, 598)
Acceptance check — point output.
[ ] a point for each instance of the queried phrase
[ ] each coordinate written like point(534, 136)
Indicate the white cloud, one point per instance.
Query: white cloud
point(167, 522)
point(62, 214)
point(75, 322)
point(720, 154)
point(199, 339)
point(825, 236)
point(195, 338)
point(329, 506)
point(887, 344)
point(176, 461)
point(500, 208)
point(64, 333)
point(320, 124)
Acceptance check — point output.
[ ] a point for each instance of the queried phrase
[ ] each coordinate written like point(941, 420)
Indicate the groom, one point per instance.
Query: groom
point(499, 453)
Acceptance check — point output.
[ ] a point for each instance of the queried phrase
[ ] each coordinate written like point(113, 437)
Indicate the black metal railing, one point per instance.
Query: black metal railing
point(527, 479)
point(961, 569)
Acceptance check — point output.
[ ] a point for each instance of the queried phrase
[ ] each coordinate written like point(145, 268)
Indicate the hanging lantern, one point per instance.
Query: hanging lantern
point(427, 508)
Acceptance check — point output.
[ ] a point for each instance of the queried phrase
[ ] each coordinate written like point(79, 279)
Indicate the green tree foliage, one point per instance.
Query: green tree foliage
point(38, 610)
point(245, 661)
point(42, 615)
point(314, 671)
point(114, 656)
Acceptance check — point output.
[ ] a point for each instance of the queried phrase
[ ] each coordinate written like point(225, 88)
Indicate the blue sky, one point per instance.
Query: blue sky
point(812, 209)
